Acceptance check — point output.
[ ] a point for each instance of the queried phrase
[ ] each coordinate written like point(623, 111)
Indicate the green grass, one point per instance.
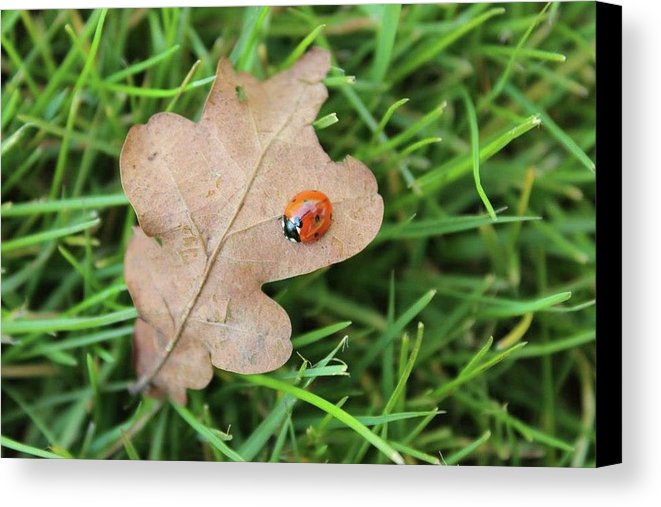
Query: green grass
point(479, 123)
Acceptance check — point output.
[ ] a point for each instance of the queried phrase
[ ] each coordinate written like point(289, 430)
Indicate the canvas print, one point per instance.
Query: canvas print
point(359, 234)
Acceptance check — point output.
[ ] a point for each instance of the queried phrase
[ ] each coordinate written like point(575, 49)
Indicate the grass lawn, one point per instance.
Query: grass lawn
point(464, 334)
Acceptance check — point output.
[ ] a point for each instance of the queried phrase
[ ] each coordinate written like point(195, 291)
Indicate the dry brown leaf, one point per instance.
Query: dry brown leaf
point(209, 197)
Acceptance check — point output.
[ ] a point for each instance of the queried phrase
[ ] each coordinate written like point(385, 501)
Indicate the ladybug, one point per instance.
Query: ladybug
point(307, 217)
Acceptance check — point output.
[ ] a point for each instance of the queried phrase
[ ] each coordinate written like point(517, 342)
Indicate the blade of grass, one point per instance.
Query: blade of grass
point(388, 358)
point(318, 334)
point(99, 297)
point(78, 342)
point(375, 421)
point(325, 121)
point(33, 414)
point(32, 208)
point(447, 173)
point(526, 431)
point(385, 40)
point(156, 93)
point(300, 48)
point(414, 453)
point(390, 333)
point(27, 449)
point(206, 433)
point(458, 456)
point(407, 134)
point(130, 449)
point(449, 387)
point(386, 118)
point(502, 307)
point(516, 333)
point(555, 346)
point(419, 145)
point(15, 139)
point(73, 109)
point(86, 139)
point(398, 392)
point(21, 68)
point(502, 80)
point(20, 172)
point(475, 150)
point(329, 408)
point(244, 51)
point(442, 226)
point(324, 371)
point(428, 51)
point(256, 441)
point(73, 324)
point(42, 237)
point(56, 81)
point(369, 120)
point(141, 66)
point(182, 87)
point(561, 136)
point(537, 54)
point(477, 358)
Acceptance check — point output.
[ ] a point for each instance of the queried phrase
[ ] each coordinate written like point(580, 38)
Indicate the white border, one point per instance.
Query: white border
point(637, 482)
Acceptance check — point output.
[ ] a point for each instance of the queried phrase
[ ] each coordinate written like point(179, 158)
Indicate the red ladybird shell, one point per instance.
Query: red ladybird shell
point(307, 216)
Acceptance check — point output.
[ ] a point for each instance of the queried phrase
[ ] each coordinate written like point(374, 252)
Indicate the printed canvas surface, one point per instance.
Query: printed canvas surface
point(317, 234)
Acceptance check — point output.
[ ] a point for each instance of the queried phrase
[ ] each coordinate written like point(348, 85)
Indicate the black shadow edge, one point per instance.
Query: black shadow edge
point(609, 234)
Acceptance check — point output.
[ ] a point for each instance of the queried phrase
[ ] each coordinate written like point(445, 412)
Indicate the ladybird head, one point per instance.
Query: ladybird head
point(292, 228)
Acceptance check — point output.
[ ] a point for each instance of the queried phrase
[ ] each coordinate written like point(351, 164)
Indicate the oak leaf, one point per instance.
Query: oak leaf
point(209, 197)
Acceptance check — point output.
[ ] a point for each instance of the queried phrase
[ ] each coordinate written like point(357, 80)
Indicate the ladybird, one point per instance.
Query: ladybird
point(307, 217)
